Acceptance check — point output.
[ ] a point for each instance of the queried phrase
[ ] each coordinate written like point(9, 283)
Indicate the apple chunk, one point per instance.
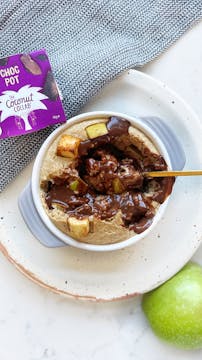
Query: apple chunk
point(78, 227)
point(68, 146)
point(96, 130)
point(79, 186)
point(117, 186)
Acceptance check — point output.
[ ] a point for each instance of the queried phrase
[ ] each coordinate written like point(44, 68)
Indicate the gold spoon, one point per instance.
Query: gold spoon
point(172, 173)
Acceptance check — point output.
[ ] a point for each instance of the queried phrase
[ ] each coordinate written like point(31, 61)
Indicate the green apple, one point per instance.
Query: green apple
point(174, 310)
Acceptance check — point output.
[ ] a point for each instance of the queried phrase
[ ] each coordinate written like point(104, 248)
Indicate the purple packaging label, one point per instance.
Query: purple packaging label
point(29, 96)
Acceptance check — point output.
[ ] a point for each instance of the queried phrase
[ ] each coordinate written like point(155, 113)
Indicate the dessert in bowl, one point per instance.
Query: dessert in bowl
point(88, 181)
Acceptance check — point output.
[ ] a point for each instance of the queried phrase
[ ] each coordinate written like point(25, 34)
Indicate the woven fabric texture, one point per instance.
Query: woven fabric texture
point(89, 43)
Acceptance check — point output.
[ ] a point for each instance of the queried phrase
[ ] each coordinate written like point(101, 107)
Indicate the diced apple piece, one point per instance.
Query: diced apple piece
point(82, 186)
point(59, 206)
point(68, 146)
point(79, 186)
point(96, 130)
point(78, 227)
point(117, 186)
point(91, 223)
point(74, 185)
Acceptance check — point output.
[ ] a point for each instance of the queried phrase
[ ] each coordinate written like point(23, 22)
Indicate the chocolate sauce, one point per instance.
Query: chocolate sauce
point(165, 188)
point(99, 166)
point(141, 225)
point(133, 205)
point(115, 126)
point(64, 196)
point(87, 145)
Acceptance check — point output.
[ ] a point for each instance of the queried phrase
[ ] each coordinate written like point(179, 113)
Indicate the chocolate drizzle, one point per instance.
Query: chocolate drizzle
point(100, 165)
point(115, 126)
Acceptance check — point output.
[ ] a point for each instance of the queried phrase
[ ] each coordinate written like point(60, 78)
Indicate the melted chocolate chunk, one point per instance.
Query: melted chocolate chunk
point(129, 175)
point(154, 162)
point(141, 225)
point(103, 168)
point(110, 181)
point(64, 196)
point(117, 126)
point(165, 186)
point(86, 146)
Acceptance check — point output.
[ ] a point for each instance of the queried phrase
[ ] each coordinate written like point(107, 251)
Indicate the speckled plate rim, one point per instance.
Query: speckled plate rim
point(53, 289)
point(198, 241)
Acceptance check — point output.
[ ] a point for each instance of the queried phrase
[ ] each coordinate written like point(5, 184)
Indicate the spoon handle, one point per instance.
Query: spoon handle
point(173, 173)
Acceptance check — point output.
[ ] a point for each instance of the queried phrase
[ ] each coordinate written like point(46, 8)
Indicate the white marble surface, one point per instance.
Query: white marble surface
point(36, 324)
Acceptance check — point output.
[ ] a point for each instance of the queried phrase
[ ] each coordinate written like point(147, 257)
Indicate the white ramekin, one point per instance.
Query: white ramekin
point(35, 181)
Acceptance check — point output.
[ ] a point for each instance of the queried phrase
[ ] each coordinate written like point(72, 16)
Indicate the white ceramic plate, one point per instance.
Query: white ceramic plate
point(137, 269)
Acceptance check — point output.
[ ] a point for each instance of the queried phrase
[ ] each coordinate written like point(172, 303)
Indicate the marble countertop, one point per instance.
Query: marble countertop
point(37, 325)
